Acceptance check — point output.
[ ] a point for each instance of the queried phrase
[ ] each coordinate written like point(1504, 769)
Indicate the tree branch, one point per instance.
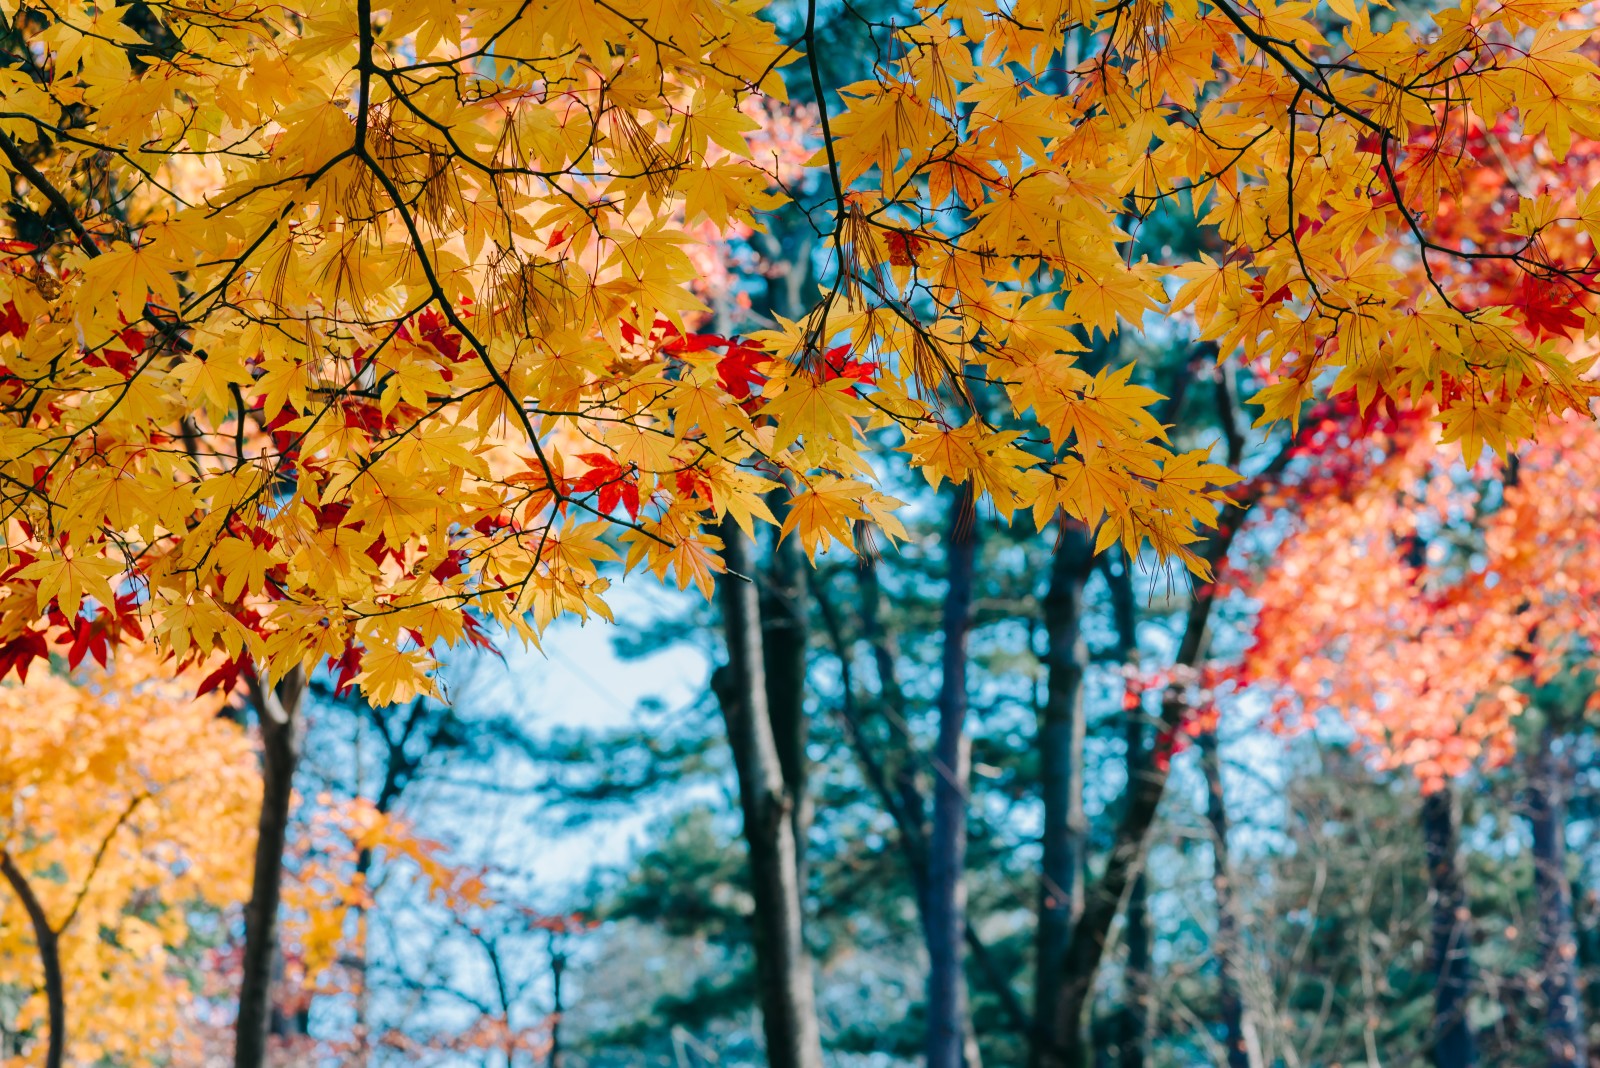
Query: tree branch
point(48, 944)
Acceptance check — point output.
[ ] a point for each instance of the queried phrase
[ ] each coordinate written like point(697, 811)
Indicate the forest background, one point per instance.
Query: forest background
point(938, 772)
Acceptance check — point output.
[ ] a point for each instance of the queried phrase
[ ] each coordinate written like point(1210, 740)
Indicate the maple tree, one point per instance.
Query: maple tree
point(288, 404)
point(334, 335)
point(983, 155)
point(337, 335)
point(312, 316)
point(130, 807)
point(127, 807)
point(1433, 607)
point(1429, 603)
point(327, 906)
point(309, 375)
point(1424, 600)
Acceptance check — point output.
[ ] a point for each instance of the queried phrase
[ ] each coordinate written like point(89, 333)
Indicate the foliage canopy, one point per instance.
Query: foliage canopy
point(338, 332)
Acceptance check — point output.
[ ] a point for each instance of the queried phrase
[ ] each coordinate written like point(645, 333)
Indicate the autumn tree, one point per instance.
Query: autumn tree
point(128, 807)
point(335, 337)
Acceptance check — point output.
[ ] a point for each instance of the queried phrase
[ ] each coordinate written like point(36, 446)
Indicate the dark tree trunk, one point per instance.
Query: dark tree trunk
point(279, 713)
point(1101, 904)
point(1237, 1032)
point(558, 967)
point(1588, 938)
point(1450, 956)
point(47, 941)
point(947, 846)
point(1126, 859)
point(903, 800)
point(783, 650)
point(902, 761)
point(788, 1002)
point(1133, 1016)
point(1060, 749)
point(1549, 781)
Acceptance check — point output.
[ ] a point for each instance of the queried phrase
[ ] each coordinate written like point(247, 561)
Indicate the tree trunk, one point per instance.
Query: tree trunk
point(902, 758)
point(1450, 956)
point(903, 801)
point(1126, 859)
point(788, 1002)
point(558, 967)
point(1237, 1029)
point(1587, 934)
point(1133, 1017)
point(1101, 905)
point(278, 710)
point(783, 651)
point(1549, 779)
point(47, 941)
point(947, 846)
point(1060, 747)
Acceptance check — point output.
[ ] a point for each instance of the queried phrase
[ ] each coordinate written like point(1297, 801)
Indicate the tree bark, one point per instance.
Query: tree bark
point(1133, 1017)
point(278, 710)
point(47, 941)
point(1549, 781)
point(1060, 747)
point(947, 846)
point(783, 651)
point(1126, 860)
point(1237, 1029)
point(788, 1001)
point(903, 801)
point(1101, 905)
point(558, 967)
point(1143, 797)
point(902, 762)
point(1450, 956)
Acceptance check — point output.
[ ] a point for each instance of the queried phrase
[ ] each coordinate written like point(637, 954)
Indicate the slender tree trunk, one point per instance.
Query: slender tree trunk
point(47, 941)
point(947, 847)
point(783, 650)
point(1450, 956)
point(902, 758)
point(558, 968)
point(1060, 748)
point(1238, 1030)
point(1587, 934)
point(1101, 904)
point(1549, 781)
point(905, 804)
point(1133, 1017)
point(788, 1001)
point(1126, 859)
point(278, 710)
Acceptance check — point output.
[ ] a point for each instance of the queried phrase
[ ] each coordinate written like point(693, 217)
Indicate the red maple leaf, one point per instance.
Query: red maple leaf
point(902, 247)
point(224, 679)
point(737, 370)
point(616, 484)
point(348, 665)
point(20, 653)
point(1552, 306)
